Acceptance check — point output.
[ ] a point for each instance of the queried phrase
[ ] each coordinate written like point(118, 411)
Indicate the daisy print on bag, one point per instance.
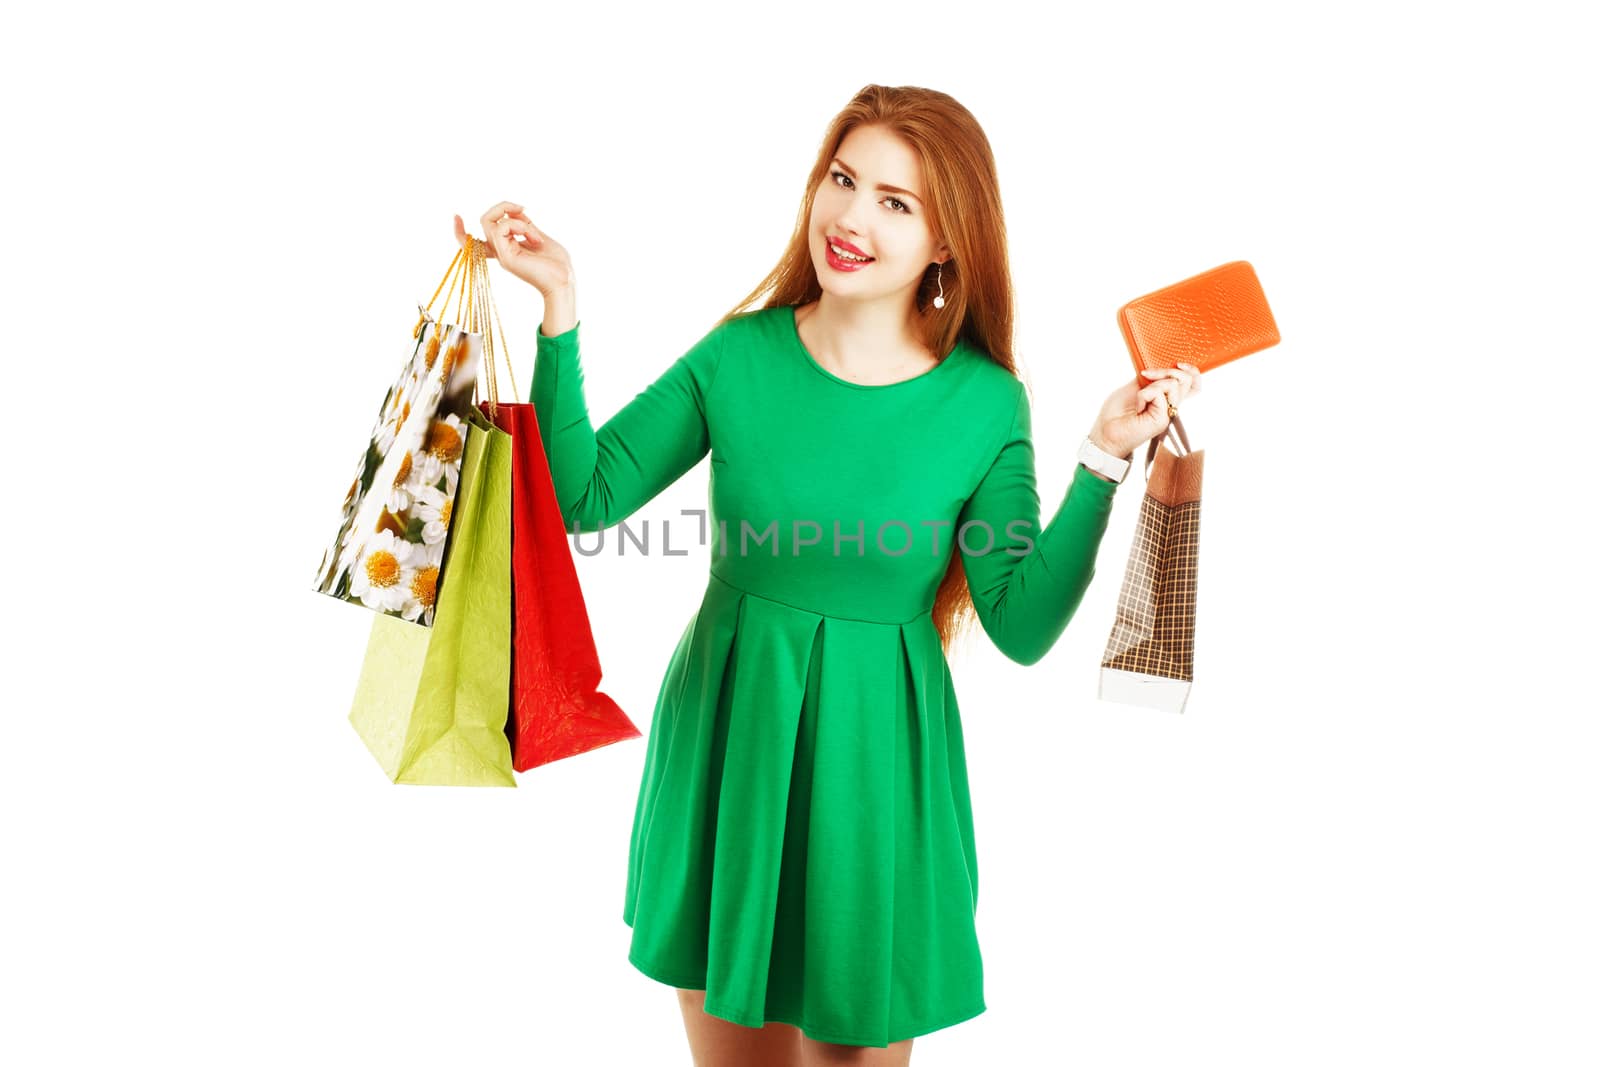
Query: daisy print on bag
point(395, 519)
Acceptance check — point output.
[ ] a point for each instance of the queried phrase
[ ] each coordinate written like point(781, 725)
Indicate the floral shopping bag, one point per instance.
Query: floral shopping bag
point(388, 554)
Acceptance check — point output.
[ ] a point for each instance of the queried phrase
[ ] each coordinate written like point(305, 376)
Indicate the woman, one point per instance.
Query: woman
point(803, 863)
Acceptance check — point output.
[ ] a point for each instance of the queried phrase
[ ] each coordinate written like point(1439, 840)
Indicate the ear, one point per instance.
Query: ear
point(943, 255)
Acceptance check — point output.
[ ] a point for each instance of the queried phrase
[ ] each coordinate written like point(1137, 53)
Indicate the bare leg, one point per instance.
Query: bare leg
point(825, 1054)
point(716, 1042)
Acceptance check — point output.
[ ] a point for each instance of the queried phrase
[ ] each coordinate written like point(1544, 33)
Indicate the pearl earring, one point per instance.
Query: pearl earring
point(938, 301)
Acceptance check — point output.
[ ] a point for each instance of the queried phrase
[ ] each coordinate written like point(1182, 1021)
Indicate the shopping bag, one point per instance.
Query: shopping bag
point(1149, 657)
point(556, 710)
point(432, 702)
point(389, 550)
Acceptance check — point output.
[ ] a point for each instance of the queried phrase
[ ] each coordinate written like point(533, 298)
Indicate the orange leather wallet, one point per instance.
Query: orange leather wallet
point(1208, 320)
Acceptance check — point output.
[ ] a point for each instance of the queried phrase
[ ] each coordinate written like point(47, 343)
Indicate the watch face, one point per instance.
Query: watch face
point(1102, 462)
point(1091, 451)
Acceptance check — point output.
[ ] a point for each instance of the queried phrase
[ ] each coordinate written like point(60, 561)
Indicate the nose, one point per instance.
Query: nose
point(846, 221)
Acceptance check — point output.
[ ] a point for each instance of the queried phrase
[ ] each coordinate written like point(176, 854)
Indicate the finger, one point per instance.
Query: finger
point(1158, 394)
point(500, 234)
point(1191, 378)
point(533, 234)
point(499, 238)
point(1151, 394)
point(501, 209)
point(525, 226)
point(504, 207)
point(1169, 374)
point(508, 226)
point(461, 238)
point(1187, 380)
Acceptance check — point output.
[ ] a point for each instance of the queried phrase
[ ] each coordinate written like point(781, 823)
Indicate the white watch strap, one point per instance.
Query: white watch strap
point(1100, 461)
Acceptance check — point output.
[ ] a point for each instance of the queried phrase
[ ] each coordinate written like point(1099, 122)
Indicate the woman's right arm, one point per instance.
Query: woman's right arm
point(603, 477)
point(560, 310)
point(599, 478)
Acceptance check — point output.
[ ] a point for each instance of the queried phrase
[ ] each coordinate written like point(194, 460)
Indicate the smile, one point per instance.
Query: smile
point(841, 260)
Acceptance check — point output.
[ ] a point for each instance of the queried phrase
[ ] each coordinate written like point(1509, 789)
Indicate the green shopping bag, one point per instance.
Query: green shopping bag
point(432, 702)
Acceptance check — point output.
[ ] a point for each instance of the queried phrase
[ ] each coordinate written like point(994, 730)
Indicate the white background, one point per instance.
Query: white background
point(1370, 838)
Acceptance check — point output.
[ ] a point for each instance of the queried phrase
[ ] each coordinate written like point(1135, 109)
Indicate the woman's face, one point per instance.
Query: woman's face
point(887, 224)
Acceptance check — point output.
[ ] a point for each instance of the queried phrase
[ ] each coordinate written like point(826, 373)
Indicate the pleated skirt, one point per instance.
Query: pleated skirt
point(803, 845)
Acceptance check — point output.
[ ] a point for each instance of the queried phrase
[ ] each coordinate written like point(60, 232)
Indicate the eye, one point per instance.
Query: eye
point(839, 174)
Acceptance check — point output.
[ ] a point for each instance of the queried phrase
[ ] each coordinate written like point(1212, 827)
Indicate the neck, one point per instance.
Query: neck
point(864, 334)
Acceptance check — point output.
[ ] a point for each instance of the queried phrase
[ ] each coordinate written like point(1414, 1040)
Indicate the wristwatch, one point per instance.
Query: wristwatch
point(1100, 461)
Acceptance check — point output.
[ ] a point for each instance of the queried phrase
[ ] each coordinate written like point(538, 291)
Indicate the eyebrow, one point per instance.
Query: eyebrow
point(881, 187)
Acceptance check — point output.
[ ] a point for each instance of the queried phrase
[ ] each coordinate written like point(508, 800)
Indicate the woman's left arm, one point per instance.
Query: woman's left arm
point(1026, 583)
point(1029, 582)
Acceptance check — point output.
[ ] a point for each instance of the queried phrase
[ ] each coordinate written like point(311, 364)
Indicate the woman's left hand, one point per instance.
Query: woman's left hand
point(1131, 415)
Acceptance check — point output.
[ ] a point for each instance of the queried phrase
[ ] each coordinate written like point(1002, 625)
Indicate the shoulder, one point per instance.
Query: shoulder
point(747, 335)
point(729, 343)
point(994, 393)
point(751, 328)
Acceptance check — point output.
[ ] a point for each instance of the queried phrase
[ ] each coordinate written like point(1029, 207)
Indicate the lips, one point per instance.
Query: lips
point(848, 247)
point(841, 265)
point(838, 262)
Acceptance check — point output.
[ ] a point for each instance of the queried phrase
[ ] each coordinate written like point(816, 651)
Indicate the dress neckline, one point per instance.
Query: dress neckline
point(794, 333)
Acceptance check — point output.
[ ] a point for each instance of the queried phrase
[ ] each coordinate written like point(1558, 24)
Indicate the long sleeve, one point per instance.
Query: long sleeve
point(602, 478)
point(1025, 601)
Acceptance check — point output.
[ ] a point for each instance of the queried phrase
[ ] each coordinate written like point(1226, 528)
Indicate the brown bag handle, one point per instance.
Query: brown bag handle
point(1173, 423)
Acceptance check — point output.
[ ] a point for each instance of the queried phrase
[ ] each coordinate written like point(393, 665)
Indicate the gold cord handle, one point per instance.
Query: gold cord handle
point(485, 315)
point(470, 271)
point(451, 275)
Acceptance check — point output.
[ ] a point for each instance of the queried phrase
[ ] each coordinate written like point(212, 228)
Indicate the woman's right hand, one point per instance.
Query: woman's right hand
point(537, 259)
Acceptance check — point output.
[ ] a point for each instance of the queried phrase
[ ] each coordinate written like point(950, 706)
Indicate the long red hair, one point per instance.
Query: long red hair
point(963, 205)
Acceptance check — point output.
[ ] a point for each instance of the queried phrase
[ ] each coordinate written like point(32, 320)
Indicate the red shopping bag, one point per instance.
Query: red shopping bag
point(557, 709)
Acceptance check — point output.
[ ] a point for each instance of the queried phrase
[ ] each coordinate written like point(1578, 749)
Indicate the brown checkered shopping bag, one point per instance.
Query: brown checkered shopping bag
point(1149, 658)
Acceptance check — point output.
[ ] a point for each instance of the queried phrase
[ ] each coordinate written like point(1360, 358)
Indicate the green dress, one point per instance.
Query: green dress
point(803, 844)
